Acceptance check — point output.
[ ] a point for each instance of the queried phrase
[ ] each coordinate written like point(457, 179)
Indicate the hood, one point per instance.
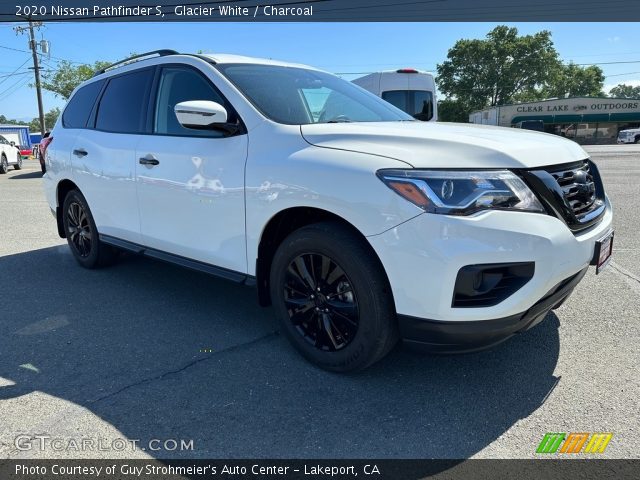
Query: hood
point(442, 145)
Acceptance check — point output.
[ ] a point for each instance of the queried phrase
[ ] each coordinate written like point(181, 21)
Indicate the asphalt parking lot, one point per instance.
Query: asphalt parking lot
point(148, 351)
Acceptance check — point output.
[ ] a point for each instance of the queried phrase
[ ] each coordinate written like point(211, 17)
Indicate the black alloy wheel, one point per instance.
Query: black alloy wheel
point(82, 234)
point(79, 229)
point(320, 302)
point(332, 297)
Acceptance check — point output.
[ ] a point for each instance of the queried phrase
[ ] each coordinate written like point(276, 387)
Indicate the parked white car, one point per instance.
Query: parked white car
point(9, 155)
point(359, 224)
point(631, 135)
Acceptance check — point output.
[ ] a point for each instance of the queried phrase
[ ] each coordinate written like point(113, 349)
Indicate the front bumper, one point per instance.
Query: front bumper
point(423, 256)
point(459, 337)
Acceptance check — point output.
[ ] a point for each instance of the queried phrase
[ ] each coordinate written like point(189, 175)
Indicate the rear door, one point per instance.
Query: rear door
point(191, 182)
point(104, 157)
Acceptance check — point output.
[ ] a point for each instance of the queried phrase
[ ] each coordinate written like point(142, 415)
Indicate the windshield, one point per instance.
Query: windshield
point(296, 96)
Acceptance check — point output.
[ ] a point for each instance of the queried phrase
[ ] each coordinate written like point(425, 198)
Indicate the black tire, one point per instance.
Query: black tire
point(4, 164)
point(82, 235)
point(637, 140)
point(18, 166)
point(354, 303)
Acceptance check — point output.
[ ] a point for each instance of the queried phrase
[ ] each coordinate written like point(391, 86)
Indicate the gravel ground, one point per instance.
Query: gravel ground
point(146, 350)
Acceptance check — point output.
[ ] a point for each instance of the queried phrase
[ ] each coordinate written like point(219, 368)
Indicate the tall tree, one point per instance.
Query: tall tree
point(68, 76)
point(451, 110)
point(49, 120)
point(625, 91)
point(493, 71)
point(574, 81)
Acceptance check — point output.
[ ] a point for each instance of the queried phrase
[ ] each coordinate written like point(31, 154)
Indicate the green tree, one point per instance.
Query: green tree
point(49, 120)
point(68, 76)
point(625, 91)
point(451, 110)
point(495, 70)
point(574, 81)
point(8, 121)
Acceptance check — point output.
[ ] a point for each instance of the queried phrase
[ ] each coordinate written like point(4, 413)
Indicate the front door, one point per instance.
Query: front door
point(190, 183)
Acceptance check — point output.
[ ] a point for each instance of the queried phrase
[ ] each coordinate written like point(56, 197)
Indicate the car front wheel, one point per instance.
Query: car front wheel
point(18, 165)
point(4, 164)
point(82, 235)
point(332, 297)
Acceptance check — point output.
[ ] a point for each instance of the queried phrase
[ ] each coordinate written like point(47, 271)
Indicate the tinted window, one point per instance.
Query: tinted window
point(422, 105)
point(397, 98)
point(124, 103)
point(181, 85)
point(79, 108)
point(298, 96)
point(417, 103)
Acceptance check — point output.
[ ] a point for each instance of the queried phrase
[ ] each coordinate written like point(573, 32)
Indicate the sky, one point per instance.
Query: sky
point(344, 48)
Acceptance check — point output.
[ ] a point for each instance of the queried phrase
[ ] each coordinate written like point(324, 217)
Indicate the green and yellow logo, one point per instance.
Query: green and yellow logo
point(574, 442)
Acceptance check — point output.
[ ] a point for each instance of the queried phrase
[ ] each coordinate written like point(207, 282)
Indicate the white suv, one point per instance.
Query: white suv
point(631, 135)
point(357, 223)
point(9, 155)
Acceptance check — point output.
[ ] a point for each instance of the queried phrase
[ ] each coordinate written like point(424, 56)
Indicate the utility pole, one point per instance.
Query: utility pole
point(33, 46)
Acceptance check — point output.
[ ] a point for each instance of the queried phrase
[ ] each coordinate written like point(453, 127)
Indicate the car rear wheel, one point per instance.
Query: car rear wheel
point(4, 164)
point(18, 164)
point(82, 235)
point(332, 298)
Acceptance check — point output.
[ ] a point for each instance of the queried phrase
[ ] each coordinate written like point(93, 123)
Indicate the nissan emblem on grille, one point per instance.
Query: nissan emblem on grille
point(578, 188)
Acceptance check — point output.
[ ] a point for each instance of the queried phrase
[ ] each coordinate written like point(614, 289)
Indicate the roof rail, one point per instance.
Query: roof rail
point(137, 58)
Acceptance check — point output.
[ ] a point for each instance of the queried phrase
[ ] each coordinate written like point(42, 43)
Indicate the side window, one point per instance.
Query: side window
point(180, 85)
point(124, 103)
point(79, 108)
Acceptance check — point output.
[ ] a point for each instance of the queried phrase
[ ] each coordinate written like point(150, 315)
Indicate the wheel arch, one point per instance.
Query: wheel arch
point(279, 227)
point(63, 188)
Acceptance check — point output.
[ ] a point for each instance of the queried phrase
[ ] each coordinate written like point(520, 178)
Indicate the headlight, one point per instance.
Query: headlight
point(461, 192)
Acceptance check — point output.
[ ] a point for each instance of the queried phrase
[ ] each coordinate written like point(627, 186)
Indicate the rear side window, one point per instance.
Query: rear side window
point(124, 103)
point(79, 108)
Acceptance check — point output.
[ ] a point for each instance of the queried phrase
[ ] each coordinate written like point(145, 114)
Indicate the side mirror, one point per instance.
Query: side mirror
point(13, 144)
point(201, 114)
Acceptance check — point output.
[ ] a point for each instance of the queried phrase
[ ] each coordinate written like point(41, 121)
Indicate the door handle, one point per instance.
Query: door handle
point(80, 152)
point(148, 160)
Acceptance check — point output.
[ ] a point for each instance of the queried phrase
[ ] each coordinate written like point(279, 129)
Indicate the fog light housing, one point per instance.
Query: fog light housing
point(486, 285)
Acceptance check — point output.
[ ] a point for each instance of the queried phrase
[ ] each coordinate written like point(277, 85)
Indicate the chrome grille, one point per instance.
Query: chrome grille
point(579, 189)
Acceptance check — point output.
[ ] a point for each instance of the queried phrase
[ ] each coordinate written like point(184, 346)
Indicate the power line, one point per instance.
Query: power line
point(14, 88)
point(12, 73)
point(58, 59)
point(622, 74)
